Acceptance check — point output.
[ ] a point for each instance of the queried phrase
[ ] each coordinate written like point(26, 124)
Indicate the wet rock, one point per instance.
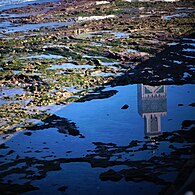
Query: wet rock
point(10, 152)
point(49, 166)
point(192, 104)
point(177, 139)
point(3, 146)
point(99, 163)
point(101, 95)
point(180, 105)
point(113, 55)
point(96, 62)
point(187, 123)
point(8, 188)
point(110, 175)
point(28, 133)
point(125, 106)
point(73, 132)
point(38, 151)
point(62, 189)
point(104, 144)
point(133, 143)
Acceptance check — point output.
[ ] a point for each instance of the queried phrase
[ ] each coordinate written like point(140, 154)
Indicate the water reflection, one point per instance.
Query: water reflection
point(152, 104)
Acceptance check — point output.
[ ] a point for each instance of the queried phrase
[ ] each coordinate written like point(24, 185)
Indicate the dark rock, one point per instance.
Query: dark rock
point(17, 188)
point(10, 152)
point(96, 62)
point(28, 133)
point(177, 139)
point(3, 146)
point(193, 149)
point(62, 189)
point(110, 175)
point(187, 123)
point(133, 143)
point(192, 104)
point(125, 106)
point(180, 104)
point(101, 95)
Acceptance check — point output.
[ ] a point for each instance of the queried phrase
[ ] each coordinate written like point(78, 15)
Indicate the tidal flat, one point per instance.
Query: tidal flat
point(97, 97)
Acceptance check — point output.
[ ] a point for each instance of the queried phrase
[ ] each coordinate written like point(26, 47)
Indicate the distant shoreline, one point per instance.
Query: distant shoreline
point(22, 4)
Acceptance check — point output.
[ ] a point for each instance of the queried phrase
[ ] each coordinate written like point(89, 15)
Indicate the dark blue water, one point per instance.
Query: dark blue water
point(102, 120)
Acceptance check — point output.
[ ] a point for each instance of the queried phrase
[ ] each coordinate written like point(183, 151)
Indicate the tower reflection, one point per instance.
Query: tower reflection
point(152, 104)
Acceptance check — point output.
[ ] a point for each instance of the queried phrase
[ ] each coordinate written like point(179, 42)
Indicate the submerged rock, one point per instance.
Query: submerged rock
point(125, 106)
point(187, 123)
point(110, 175)
point(62, 189)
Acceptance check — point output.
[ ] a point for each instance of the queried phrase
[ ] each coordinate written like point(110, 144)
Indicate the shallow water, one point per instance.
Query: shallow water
point(103, 120)
point(175, 15)
point(70, 66)
point(27, 27)
point(48, 157)
point(47, 56)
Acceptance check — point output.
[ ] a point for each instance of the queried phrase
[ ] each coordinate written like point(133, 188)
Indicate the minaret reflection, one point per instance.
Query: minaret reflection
point(152, 104)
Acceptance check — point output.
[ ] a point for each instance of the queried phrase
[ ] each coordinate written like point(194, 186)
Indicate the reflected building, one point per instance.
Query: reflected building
point(152, 104)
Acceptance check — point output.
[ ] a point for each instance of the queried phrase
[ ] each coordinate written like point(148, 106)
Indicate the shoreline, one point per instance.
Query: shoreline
point(57, 53)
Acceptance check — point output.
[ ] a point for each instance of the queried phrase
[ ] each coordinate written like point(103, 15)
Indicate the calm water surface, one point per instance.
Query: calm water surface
point(152, 110)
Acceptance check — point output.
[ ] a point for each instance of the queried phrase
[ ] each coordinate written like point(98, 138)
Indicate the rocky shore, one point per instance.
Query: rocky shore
point(56, 53)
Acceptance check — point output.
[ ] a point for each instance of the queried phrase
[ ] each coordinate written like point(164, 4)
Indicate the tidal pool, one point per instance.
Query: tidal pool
point(70, 66)
point(115, 130)
point(28, 27)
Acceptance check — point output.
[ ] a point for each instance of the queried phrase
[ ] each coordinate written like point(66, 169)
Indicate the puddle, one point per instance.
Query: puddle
point(50, 45)
point(105, 74)
point(186, 75)
point(70, 66)
point(94, 57)
point(97, 44)
point(177, 62)
point(132, 50)
point(11, 92)
point(47, 56)
point(189, 50)
point(17, 72)
point(187, 56)
point(118, 35)
point(110, 64)
point(189, 39)
point(175, 16)
point(172, 44)
point(138, 52)
point(27, 27)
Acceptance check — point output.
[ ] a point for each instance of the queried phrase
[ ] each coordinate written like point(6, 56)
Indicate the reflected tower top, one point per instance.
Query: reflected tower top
point(152, 104)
